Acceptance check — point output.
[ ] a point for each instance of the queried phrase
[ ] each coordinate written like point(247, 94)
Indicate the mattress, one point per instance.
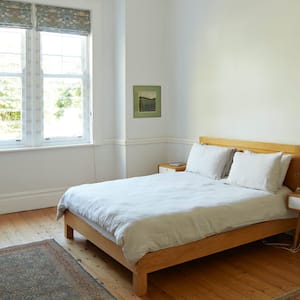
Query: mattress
point(149, 213)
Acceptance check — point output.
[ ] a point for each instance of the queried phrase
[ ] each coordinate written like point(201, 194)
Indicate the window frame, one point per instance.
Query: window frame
point(86, 136)
point(32, 97)
point(16, 143)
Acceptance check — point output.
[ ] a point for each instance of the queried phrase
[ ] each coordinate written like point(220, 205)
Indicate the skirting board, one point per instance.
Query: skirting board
point(30, 200)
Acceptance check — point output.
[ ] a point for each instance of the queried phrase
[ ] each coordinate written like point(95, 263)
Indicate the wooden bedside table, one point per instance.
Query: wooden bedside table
point(166, 167)
point(293, 203)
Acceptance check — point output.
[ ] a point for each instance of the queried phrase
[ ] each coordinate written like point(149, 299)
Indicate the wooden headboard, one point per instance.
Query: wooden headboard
point(292, 179)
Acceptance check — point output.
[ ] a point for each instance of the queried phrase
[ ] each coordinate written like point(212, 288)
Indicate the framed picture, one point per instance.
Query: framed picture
point(147, 101)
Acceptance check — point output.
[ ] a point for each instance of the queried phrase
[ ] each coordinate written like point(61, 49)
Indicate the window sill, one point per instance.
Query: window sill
point(48, 147)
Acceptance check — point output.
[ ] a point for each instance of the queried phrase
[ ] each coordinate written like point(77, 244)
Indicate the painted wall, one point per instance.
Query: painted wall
point(140, 57)
point(37, 178)
point(236, 70)
point(227, 68)
point(143, 60)
point(126, 50)
point(147, 24)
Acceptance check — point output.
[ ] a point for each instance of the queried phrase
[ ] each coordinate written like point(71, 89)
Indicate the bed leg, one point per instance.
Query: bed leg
point(140, 283)
point(69, 232)
point(297, 233)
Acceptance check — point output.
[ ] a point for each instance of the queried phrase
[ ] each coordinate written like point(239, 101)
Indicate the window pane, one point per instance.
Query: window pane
point(10, 108)
point(62, 65)
point(61, 53)
point(10, 85)
point(61, 44)
point(11, 50)
point(10, 63)
point(53, 64)
point(12, 38)
point(63, 109)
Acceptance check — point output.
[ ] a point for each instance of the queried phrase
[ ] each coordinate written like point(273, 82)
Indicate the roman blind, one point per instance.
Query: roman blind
point(15, 14)
point(62, 20)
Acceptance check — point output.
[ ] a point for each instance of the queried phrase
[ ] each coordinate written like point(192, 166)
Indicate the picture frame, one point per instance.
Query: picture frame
point(147, 101)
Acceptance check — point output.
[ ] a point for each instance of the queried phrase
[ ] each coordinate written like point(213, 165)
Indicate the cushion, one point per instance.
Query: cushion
point(284, 165)
point(208, 160)
point(256, 170)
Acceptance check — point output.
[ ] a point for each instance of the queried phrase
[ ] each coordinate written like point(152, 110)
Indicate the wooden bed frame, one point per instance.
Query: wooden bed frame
point(161, 259)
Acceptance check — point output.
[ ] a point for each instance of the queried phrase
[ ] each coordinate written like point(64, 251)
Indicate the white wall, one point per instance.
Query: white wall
point(126, 51)
point(142, 141)
point(227, 69)
point(146, 55)
point(236, 70)
point(37, 178)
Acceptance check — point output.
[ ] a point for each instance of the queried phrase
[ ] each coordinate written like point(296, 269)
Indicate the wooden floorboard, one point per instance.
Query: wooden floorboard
point(253, 271)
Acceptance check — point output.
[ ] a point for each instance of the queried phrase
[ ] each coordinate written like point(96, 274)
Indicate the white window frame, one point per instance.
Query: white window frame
point(22, 75)
point(85, 138)
point(32, 94)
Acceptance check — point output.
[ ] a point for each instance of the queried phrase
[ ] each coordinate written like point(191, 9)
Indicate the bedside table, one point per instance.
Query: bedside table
point(293, 203)
point(166, 168)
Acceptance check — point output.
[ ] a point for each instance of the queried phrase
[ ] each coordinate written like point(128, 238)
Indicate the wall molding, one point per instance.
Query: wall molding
point(30, 200)
point(145, 141)
point(181, 141)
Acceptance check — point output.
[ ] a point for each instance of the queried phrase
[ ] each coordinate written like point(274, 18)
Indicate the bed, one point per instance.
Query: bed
point(121, 246)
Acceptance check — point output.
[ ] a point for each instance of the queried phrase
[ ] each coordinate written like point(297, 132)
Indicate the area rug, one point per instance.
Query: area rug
point(44, 270)
point(292, 295)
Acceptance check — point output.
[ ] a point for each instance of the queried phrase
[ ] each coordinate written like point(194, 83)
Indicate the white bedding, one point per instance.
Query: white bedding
point(149, 213)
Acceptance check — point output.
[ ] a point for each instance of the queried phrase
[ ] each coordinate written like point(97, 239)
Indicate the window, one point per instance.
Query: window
point(44, 76)
point(11, 84)
point(65, 85)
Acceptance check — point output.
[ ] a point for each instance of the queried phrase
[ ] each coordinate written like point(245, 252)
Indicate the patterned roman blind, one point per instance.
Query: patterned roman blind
point(15, 14)
point(62, 20)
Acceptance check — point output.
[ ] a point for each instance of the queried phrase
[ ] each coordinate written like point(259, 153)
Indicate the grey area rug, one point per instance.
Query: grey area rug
point(44, 270)
point(292, 295)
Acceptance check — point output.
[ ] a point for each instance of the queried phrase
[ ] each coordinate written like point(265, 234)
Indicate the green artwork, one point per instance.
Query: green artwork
point(147, 101)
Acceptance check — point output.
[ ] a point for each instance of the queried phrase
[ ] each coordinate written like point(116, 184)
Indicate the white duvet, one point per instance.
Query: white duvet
point(145, 214)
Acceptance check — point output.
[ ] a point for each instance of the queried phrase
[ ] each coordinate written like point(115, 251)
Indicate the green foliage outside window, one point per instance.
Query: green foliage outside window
point(10, 106)
point(69, 97)
point(11, 103)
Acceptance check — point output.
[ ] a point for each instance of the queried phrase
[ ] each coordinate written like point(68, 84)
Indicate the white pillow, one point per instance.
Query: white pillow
point(284, 165)
point(208, 160)
point(256, 170)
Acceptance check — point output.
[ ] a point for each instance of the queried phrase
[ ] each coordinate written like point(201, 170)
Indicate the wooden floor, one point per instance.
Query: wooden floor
point(253, 271)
